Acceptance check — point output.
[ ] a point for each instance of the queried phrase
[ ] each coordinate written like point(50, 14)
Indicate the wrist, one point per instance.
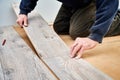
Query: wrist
point(23, 12)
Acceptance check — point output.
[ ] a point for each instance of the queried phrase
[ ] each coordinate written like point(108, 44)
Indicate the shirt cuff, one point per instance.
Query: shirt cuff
point(23, 12)
point(96, 37)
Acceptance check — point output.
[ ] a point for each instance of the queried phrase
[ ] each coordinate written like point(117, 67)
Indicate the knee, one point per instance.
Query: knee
point(55, 27)
point(72, 34)
point(75, 34)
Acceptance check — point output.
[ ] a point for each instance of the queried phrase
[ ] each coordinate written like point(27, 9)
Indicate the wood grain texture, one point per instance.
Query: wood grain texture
point(43, 38)
point(17, 60)
point(55, 52)
point(107, 61)
point(74, 69)
point(105, 56)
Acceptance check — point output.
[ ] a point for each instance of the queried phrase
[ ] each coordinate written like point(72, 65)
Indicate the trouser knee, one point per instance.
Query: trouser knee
point(61, 28)
point(75, 34)
point(55, 28)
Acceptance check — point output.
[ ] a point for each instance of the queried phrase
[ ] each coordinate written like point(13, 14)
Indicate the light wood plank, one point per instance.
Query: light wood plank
point(17, 60)
point(1, 72)
point(43, 38)
point(74, 69)
point(55, 52)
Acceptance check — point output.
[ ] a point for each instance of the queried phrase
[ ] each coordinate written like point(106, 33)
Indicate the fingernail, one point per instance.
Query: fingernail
point(71, 56)
point(78, 57)
point(25, 25)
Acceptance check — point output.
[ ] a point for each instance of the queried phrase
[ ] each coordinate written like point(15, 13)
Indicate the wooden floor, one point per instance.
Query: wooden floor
point(105, 57)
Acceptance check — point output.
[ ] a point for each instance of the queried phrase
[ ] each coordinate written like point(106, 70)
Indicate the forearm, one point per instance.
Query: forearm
point(26, 6)
point(106, 10)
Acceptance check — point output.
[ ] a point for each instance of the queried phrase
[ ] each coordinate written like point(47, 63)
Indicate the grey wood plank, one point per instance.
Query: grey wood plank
point(46, 42)
point(18, 61)
point(55, 52)
point(74, 69)
point(1, 72)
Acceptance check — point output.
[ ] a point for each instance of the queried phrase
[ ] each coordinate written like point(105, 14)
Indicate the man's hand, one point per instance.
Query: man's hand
point(22, 20)
point(80, 45)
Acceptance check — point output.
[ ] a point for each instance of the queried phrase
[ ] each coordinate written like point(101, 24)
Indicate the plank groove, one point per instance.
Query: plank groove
point(54, 52)
point(17, 60)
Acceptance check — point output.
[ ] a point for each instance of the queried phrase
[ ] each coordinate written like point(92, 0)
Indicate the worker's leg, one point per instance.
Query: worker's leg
point(82, 20)
point(62, 22)
point(115, 26)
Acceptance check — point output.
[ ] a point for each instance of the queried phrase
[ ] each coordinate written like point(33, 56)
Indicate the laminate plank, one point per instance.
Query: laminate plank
point(44, 39)
point(17, 60)
point(74, 69)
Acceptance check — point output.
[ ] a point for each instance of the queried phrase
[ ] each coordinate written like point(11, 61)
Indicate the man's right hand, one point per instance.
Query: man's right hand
point(22, 20)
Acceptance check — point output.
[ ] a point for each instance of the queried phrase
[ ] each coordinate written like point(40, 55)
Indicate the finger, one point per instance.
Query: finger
point(19, 22)
point(80, 52)
point(74, 44)
point(75, 50)
point(25, 22)
point(72, 47)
